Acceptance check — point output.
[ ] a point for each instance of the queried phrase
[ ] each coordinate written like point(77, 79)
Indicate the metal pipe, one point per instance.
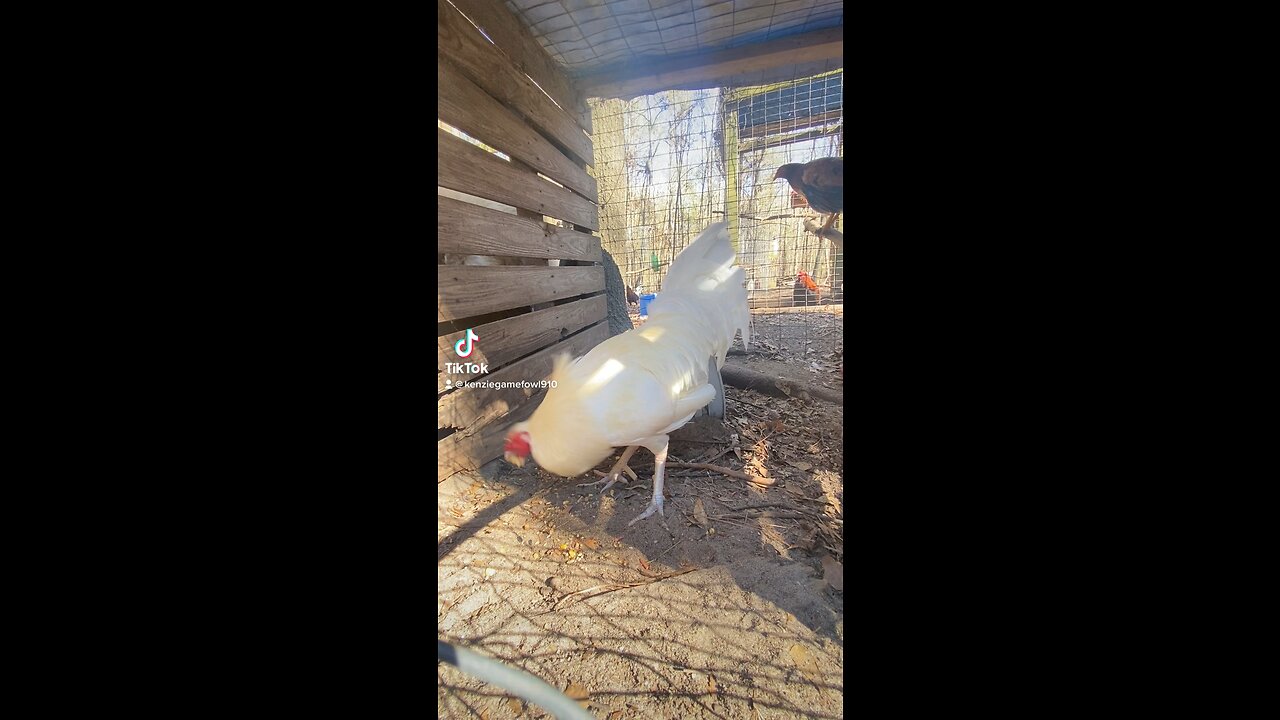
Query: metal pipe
point(512, 680)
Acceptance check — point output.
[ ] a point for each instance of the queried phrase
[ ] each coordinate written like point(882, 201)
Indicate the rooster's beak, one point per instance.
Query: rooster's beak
point(514, 459)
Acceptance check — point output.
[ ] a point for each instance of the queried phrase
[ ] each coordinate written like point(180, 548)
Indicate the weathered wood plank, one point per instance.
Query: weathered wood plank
point(476, 445)
point(466, 168)
point(466, 199)
point(472, 406)
point(493, 71)
point(505, 340)
point(833, 309)
point(468, 229)
point(753, 64)
point(461, 103)
point(467, 290)
point(785, 298)
point(526, 54)
point(468, 451)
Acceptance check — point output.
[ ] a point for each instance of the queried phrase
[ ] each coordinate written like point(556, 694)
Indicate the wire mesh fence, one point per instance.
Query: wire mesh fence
point(670, 164)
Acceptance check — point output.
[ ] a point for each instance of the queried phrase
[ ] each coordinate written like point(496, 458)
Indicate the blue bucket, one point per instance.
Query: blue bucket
point(644, 303)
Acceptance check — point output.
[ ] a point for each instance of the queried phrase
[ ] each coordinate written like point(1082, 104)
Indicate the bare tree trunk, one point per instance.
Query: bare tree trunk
point(615, 298)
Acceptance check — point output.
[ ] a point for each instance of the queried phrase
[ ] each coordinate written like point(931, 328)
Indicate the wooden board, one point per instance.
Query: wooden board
point(469, 450)
point(466, 168)
point(781, 297)
point(472, 406)
point(785, 58)
point(492, 70)
point(466, 229)
point(466, 291)
point(506, 340)
point(481, 442)
point(462, 104)
point(513, 38)
point(832, 309)
point(473, 200)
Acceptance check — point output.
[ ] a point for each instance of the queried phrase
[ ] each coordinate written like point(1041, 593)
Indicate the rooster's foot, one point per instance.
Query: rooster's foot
point(611, 478)
point(655, 505)
point(831, 220)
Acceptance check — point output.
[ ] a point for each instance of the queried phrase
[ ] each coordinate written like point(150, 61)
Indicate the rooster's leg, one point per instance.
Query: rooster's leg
point(658, 446)
point(831, 220)
point(618, 468)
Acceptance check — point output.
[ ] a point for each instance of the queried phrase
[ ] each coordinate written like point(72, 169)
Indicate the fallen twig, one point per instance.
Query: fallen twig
point(734, 523)
point(673, 547)
point(799, 516)
point(604, 589)
point(756, 480)
point(718, 455)
point(714, 468)
point(746, 402)
point(656, 576)
point(761, 505)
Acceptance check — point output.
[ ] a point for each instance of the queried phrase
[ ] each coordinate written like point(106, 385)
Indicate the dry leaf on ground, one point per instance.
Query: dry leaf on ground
point(700, 513)
point(804, 660)
point(577, 692)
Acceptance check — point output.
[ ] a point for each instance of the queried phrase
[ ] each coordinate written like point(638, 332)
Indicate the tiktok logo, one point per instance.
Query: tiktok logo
point(468, 340)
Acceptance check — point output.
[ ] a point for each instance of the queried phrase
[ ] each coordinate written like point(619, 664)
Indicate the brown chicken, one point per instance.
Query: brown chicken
point(821, 182)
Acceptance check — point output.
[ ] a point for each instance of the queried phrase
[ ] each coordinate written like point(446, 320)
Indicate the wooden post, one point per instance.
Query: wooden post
point(731, 171)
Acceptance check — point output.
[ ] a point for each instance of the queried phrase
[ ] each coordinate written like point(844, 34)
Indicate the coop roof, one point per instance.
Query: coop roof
point(606, 40)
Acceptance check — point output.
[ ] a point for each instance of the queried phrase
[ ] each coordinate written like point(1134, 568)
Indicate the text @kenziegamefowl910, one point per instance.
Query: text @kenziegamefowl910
point(501, 384)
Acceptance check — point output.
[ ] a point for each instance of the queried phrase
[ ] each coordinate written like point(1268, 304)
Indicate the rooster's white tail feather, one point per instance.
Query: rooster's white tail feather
point(703, 282)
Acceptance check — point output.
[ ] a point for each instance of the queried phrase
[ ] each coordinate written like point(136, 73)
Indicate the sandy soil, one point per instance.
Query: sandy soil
point(729, 607)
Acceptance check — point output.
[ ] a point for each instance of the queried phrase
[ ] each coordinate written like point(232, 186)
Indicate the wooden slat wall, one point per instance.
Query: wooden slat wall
point(487, 66)
point(505, 92)
point(467, 291)
point(466, 168)
point(477, 445)
point(469, 199)
point(468, 229)
point(524, 51)
point(506, 340)
point(470, 448)
point(461, 101)
point(462, 410)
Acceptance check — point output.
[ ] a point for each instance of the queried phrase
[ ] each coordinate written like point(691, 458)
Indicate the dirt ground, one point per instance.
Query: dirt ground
point(731, 606)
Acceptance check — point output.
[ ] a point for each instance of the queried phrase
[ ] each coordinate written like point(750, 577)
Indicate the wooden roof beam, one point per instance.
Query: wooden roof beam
point(782, 59)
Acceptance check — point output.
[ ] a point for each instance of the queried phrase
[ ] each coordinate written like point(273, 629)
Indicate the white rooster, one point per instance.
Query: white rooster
point(634, 388)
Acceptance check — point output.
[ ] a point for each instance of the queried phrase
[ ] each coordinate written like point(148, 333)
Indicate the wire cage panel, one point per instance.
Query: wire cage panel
point(671, 163)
